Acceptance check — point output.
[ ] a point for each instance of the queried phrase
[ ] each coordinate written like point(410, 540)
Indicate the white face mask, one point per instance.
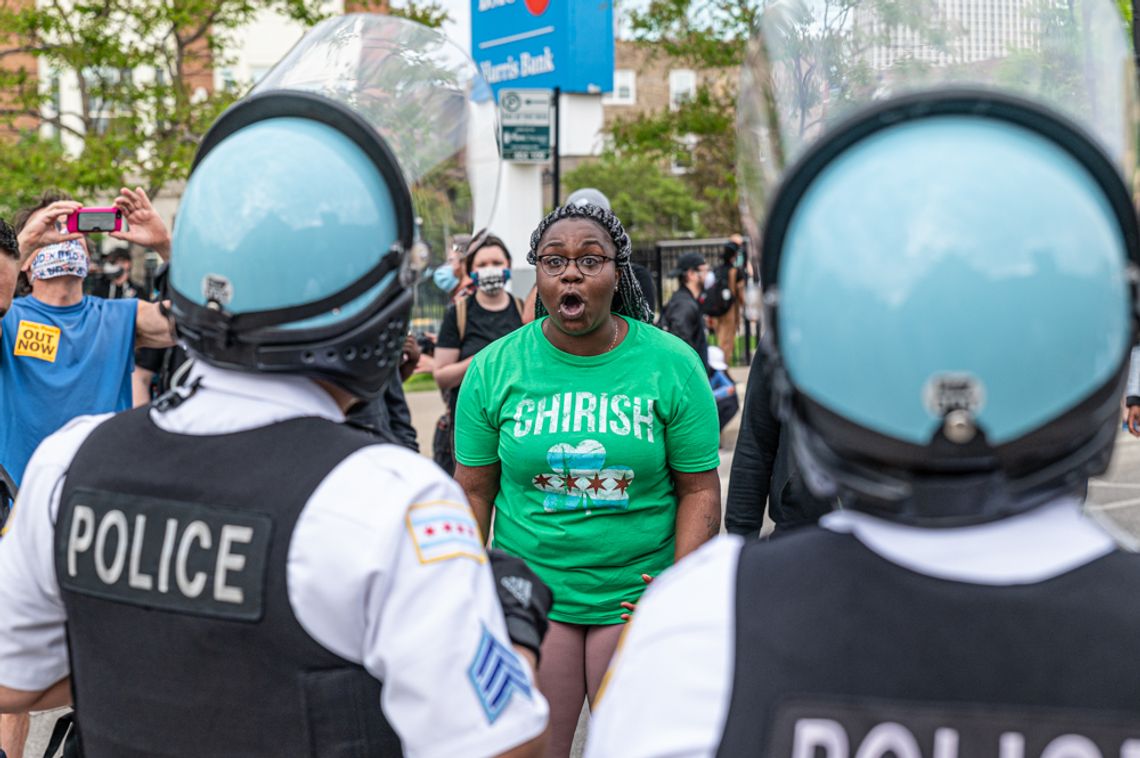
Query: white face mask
point(61, 259)
point(490, 280)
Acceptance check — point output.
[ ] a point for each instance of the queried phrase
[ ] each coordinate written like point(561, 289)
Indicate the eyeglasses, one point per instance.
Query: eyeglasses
point(588, 265)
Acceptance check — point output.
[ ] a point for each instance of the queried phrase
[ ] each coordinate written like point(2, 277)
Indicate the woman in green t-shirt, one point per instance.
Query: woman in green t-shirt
point(591, 437)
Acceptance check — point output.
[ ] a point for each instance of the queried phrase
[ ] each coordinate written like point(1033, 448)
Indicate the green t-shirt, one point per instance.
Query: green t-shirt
point(586, 445)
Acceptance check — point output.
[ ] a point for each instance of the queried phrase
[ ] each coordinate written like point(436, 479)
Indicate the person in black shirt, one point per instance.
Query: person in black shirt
point(114, 279)
point(764, 471)
point(682, 315)
point(469, 325)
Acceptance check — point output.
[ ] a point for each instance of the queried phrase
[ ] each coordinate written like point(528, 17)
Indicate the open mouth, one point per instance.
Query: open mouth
point(571, 306)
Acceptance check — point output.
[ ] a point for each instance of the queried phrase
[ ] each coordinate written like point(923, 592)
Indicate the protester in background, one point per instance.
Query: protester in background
point(469, 325)
point(64, 354)
point(764, 469)
point(590, 438)
point(11, 260)
point(724, 296)
point(451, 276)
point(682, 315)
point(113, 281)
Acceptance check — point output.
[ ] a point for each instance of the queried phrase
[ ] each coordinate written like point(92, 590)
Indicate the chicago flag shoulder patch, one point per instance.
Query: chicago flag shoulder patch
point(496, 674)
point(442, 530)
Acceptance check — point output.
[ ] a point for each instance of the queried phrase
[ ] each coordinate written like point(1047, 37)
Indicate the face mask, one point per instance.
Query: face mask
point(62, 259)
point(491, 280)
point(445, 278)
point(111, 270)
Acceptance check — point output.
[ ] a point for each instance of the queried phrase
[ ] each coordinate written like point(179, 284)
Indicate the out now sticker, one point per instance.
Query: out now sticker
point(37, 341)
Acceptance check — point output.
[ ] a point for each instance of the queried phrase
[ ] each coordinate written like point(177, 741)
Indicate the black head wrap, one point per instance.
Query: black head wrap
point(629, 299)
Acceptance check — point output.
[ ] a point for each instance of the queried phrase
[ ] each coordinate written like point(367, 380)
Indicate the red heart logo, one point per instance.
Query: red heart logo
point(537, 7)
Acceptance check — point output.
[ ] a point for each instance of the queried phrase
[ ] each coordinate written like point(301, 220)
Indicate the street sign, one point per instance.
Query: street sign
point(524, 124)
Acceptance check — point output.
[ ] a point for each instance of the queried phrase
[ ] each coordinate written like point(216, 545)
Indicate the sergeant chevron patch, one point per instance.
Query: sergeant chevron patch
point(496, 673)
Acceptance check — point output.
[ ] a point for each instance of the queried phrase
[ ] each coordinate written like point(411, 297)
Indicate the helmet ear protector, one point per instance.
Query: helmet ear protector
point(359, 352)
point(956, 478)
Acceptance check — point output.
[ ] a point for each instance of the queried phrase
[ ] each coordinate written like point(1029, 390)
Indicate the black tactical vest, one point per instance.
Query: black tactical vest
point(171, 556)
point(851, 655)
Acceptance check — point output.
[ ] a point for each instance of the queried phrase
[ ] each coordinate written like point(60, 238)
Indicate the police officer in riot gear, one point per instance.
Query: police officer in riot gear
point(950, 258)
point(263, 579)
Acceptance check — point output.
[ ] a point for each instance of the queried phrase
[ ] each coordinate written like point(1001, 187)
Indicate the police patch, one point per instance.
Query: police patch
point(442, 530)
point(187, 557)
point(496, 674)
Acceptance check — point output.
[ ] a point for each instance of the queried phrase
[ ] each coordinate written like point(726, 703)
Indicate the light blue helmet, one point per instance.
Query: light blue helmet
point(291, 247)
point(949, 268)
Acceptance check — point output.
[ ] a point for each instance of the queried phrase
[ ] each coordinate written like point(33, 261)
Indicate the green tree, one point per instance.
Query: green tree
point(699, 136)
point(651, 203)
point(139, 66)
point(709, 35)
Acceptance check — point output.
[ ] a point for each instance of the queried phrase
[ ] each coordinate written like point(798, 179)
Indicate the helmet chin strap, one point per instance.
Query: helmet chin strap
point(929, 499)
point(945, 500)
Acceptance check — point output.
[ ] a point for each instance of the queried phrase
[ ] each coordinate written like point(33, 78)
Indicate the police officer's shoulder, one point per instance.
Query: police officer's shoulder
point(60, 447)
point(694, 579)
point(789, 548)
point(377, 484)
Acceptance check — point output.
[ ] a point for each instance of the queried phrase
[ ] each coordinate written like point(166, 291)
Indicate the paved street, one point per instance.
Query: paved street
point(1115, 498)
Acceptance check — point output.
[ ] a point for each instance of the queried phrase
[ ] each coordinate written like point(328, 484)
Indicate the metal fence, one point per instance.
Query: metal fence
point(660, 257)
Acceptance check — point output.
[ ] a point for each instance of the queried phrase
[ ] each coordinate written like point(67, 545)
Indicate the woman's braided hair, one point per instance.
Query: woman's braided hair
point(629, 299)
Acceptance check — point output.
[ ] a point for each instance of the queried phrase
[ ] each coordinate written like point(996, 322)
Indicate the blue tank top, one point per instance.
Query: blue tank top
point(57, 363)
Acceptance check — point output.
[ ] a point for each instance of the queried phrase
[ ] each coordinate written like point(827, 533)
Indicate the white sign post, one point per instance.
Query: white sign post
point(524, 124)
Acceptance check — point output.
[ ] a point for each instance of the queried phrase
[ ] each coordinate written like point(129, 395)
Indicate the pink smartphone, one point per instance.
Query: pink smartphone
point(88, 220)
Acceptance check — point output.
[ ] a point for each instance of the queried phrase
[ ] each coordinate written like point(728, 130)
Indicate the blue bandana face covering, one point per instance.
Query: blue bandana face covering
point(445, 278)
point(62, 259)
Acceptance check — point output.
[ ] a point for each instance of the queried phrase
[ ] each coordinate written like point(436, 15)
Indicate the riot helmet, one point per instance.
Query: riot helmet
point(940, 196)
point(295, 244)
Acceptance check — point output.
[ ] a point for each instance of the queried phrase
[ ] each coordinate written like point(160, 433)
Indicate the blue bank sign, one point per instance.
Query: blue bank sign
point(538, 44)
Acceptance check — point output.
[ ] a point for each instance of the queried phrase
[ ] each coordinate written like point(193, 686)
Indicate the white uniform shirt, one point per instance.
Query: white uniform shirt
point(363, 579)
point(670, 684)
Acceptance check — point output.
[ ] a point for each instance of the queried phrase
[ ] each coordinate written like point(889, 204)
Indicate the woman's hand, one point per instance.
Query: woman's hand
point(631, 607)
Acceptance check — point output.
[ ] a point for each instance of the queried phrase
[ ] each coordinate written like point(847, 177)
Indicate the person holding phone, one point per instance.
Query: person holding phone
point(64, 354)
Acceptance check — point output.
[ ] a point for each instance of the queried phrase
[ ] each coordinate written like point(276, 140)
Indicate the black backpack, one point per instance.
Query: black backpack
point(718, 298)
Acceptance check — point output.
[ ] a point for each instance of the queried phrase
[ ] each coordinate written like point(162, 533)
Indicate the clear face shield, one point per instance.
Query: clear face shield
point(313, 201)
point(424, 96)
point(814, 64)
point(822, 83)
